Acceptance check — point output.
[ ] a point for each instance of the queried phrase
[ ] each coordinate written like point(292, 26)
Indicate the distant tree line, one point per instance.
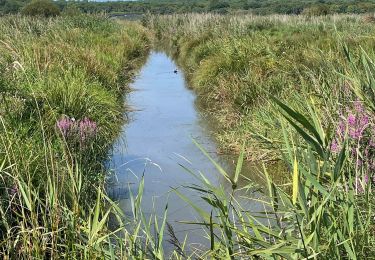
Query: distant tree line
point(263, 7)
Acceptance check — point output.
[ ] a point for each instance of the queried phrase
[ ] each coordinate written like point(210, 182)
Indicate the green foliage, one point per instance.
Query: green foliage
point(218, 6)
point(284, 85)
point(264, 7)
point(52, 176)
point(41, 8)
point(71, 10)
point(11, 7)
point(234, 61)
point(278, 86)
point(320, 215)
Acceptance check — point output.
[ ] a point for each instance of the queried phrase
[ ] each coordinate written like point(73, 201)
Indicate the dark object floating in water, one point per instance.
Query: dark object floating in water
point(175, 71)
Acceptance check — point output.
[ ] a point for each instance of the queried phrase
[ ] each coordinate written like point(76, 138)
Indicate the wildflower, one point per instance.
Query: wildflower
point(334, 146)
point(87, 129)
point(351, 120)
point(357, 125)
point(65, 125)
point(74, 131)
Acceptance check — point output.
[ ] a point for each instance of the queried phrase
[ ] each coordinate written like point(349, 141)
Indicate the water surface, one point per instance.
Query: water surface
point(158, 140)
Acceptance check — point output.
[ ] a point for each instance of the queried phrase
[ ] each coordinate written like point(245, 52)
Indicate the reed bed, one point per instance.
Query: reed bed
point(233, 61)
point(299, 89)
point(61, 89)
point(295, 88)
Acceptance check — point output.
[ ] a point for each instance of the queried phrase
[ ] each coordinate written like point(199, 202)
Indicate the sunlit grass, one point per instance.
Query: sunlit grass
point(299, 89)
point(234, 61)
point(52, 198)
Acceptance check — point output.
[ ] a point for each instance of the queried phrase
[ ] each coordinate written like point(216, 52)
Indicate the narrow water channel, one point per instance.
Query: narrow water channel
point(158, 138)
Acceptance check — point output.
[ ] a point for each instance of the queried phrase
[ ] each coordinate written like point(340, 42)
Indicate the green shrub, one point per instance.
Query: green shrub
point(41, 8)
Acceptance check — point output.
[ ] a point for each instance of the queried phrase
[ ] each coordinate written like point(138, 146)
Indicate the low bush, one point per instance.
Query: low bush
point(41, 8)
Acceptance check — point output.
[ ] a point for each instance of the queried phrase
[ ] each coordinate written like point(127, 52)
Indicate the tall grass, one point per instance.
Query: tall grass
point(326, 211)
point(295, 88)
point(61, 88)
point(312, 105)
point(234, 61)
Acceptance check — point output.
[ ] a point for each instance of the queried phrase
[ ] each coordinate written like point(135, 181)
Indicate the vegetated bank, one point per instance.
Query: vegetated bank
point(61, 108)
point(235, 62)
point(291, 87)
point(62, 83)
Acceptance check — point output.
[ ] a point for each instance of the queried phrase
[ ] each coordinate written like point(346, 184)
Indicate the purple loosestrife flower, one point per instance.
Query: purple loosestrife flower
point(65, 125)
point(75, 132)
point(357, 126)
point(87, 129)
point(335, 146)
point(351, 120)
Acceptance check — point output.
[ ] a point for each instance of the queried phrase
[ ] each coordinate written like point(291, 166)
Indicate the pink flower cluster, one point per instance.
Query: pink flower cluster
point(66, 126)
point(87, 129)
point(358, 126)
point(355, 124)
point(83, 130)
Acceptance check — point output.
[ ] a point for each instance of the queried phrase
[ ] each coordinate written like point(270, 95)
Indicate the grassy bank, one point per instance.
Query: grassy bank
point(62, 83)
point(234, 61)
point(296, 88)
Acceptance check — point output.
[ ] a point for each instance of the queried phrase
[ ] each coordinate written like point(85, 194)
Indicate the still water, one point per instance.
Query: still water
point(157, 141)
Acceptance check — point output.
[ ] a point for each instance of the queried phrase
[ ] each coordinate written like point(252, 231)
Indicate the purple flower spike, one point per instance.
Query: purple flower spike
point(65, 126)
point(356, 125)
point(82, 130)
point(87, 129)
point(351, 120)
point(335, 147)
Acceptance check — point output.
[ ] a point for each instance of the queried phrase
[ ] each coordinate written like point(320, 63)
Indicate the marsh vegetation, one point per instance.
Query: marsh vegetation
point(61, 87)
point(294, 89)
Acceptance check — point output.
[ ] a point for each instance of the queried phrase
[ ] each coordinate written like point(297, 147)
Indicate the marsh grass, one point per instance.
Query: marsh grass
point(61, 108)
point(234, 61)
point(325, 211)
point(291, 87)
point(52, 197)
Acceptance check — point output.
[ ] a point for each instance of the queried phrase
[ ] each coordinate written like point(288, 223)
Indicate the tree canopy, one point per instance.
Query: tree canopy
point(262, 7)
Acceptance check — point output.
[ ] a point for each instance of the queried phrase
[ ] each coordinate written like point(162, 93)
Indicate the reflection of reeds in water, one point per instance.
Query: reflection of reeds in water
point(119, 191)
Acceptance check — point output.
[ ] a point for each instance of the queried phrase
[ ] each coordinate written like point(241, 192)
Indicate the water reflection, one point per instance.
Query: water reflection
point(158, 141)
